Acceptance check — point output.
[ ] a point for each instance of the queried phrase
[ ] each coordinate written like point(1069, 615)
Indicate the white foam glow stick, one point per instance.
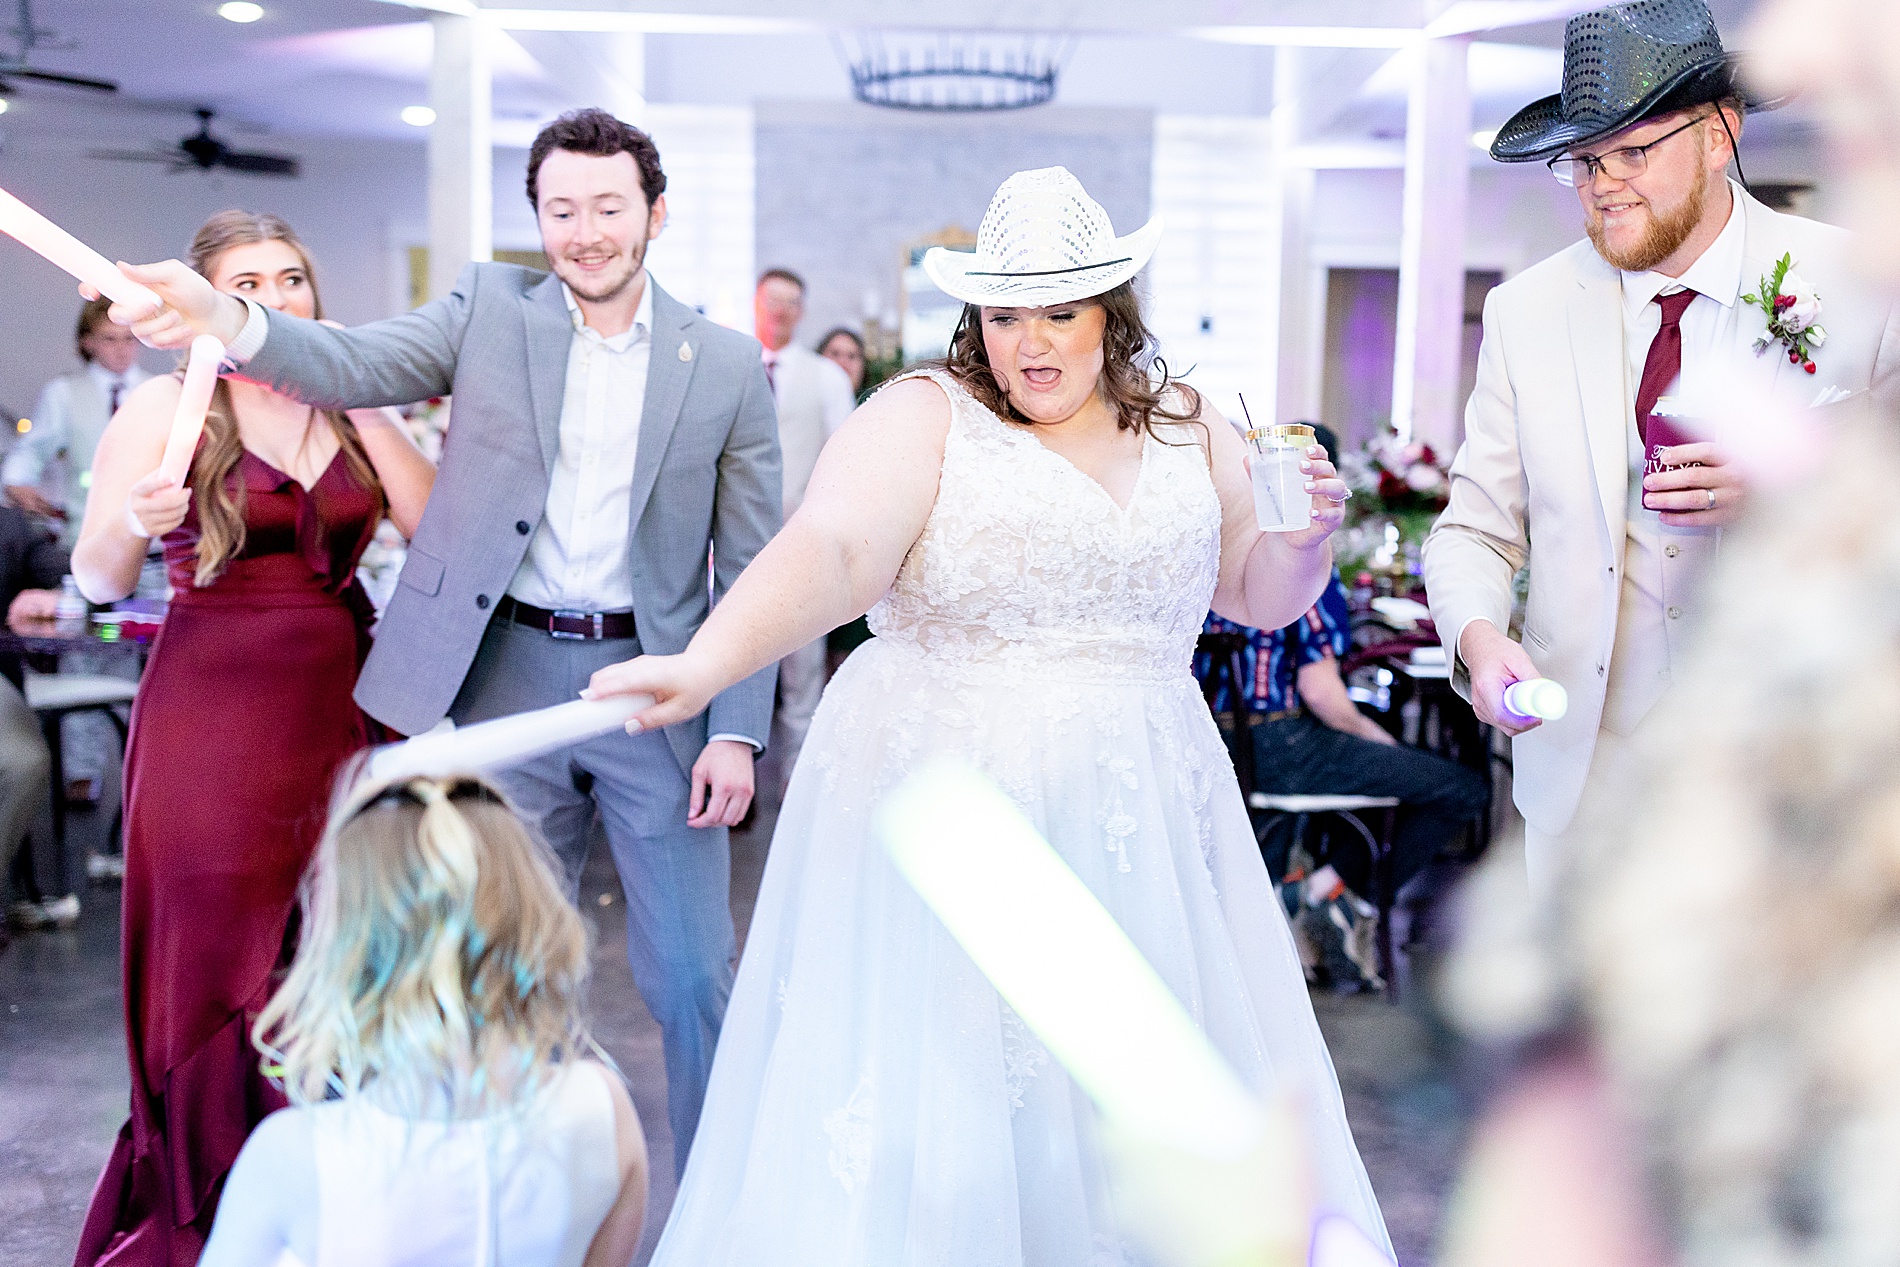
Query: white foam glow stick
point(506, 741)
point(1060, 960)
point(188, 423)
point(1537, 697)
point(1338, 1242)
point(35, 232)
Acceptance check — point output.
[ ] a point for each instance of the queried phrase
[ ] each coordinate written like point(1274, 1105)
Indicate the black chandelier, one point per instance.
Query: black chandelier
point(948, 72)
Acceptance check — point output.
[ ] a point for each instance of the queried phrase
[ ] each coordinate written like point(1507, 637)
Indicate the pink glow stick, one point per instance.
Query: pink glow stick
point(35, 232)
point(188, 423)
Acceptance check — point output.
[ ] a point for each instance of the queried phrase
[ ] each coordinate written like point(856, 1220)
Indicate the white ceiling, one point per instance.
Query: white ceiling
point(346, 68)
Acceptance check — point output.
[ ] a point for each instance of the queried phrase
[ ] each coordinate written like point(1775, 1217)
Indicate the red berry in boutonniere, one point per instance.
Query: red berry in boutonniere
point(1810, 367)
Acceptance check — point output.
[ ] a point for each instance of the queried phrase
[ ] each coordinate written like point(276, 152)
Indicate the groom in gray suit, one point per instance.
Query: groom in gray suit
point(606, 442)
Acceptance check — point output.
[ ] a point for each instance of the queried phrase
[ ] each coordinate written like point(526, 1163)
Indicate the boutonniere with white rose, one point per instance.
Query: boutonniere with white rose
point(1793, 310)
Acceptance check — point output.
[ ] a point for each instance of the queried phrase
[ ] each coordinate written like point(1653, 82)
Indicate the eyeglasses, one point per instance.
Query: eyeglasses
point(1624, 164)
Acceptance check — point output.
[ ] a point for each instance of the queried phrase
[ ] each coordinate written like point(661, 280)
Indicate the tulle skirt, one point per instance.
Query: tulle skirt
point(873, 1102)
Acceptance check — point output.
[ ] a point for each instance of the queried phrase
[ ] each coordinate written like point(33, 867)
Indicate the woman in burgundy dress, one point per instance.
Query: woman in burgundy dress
point(242, 720)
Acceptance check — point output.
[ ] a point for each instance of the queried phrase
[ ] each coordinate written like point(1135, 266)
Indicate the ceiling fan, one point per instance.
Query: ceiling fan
point(32, 36)
point(202, 151)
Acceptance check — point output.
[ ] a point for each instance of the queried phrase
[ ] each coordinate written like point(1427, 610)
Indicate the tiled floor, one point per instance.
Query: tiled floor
point(63, 1079)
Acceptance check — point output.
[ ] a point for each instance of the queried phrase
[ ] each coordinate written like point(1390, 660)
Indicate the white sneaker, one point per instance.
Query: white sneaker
point(105, 866)
point(58, 912)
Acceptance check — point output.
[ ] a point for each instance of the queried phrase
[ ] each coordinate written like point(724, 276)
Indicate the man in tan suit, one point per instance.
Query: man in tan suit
point(1568, 439)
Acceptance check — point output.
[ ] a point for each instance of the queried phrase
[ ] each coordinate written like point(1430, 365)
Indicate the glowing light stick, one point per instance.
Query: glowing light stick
point(188, 423)
point(1060, 960)
point(35, 232)
point(506, 741)
point(1539, 697)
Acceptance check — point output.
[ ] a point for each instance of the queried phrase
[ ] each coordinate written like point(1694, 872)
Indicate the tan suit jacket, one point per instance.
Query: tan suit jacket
point(1545, 459)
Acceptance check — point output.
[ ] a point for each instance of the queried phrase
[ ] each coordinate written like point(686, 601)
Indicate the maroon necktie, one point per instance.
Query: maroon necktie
point(1664, 365)
point(112, 405)
point(771, 372)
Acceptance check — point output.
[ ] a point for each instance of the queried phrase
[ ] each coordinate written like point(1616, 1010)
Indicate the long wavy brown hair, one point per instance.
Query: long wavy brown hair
point(219, 498)
point(1135, 381)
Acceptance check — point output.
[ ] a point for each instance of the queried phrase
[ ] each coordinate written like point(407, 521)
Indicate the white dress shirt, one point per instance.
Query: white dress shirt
point(578, 558)
point(813, 397)
point(1663, 566)
point(71, 415)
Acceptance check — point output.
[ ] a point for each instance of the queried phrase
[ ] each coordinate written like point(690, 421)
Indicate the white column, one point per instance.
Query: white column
point(1426, 377)
point(461, 151)
point(1296, 395)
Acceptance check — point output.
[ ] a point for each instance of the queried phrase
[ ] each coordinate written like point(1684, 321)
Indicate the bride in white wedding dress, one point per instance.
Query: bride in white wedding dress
point(1042, 525)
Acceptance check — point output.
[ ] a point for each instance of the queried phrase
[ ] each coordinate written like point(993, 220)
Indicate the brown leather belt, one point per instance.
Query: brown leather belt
point(588, 626)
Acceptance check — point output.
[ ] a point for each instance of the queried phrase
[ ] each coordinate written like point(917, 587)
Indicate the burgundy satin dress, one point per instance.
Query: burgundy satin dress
point(241, 723)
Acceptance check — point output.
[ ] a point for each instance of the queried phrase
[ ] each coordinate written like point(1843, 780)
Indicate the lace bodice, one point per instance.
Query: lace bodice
point(1028, 567)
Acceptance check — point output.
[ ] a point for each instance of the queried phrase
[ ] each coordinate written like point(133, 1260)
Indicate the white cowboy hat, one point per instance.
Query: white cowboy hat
point(1043, 241)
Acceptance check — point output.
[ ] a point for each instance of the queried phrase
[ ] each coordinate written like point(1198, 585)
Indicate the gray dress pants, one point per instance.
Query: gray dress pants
point(25, 765)
point(677, 879)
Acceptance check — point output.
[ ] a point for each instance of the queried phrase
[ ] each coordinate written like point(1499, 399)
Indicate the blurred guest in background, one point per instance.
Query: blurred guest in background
point(48, 472)
point(844, 348)
point(31, 565)
point(814, 397)
point(50, 467)
point(243, 719)
point(1704, 1023)
point(1309, 738)
point(1568, 441)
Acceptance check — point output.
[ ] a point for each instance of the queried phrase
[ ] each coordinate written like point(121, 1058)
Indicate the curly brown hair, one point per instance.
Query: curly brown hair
point(1135, 381)
point(594, 131)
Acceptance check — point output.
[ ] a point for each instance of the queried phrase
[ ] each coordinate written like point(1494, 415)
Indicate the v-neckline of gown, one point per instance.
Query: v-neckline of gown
point(284, 477)
point(1134, 492)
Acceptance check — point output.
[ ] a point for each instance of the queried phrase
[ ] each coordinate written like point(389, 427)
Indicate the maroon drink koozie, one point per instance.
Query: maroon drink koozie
point(1663, 432)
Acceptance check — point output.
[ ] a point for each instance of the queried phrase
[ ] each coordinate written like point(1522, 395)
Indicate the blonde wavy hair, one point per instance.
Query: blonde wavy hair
point(440, 960)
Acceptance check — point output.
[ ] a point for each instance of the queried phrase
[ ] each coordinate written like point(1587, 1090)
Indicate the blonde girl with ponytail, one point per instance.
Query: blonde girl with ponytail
point(429, 1036)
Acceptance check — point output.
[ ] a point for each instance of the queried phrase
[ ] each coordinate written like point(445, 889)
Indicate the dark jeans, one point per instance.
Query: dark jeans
point(1302, 756)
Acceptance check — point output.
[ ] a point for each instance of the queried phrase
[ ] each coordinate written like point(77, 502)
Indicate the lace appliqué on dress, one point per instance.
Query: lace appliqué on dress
point(849, 1129)
point(1023, 1055)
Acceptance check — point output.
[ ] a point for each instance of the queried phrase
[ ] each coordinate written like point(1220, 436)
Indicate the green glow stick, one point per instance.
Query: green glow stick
point(1060, 960)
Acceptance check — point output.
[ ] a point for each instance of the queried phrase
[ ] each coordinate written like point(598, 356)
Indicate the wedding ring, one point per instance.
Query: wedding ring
point(1341, 499)
point(1711, 493)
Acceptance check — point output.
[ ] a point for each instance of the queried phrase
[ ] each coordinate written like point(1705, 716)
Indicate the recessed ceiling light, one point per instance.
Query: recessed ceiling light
point(418, 116)
point(240, 11)
point(3, 105)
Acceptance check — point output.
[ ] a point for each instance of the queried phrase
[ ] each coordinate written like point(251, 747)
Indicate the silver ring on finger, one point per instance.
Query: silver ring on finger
point(1340, 500)
point(1711, 493)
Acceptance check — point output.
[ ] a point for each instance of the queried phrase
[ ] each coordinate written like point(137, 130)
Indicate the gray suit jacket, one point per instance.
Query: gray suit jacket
point(707, 475)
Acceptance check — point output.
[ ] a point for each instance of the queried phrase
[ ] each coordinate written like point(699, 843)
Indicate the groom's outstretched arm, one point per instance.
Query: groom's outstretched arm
point(393, 362)
point(748, 509)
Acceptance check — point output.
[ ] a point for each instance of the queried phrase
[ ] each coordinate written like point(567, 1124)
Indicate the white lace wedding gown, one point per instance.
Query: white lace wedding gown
point(873, 1102)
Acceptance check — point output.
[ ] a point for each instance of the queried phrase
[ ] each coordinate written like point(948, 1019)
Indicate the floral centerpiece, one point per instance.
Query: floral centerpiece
point(1398, 492)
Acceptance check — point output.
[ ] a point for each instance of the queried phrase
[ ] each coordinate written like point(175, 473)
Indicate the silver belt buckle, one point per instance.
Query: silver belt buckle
point(594, 618)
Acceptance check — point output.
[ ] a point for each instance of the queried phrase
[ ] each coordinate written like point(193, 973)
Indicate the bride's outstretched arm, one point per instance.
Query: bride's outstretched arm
point(1268, 579)
point(867, 503)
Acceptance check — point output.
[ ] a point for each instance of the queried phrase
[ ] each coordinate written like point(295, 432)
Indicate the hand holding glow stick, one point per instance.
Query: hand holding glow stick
point(188, 423)
point(35, 232)
point(506, 741)
point(1538, 698)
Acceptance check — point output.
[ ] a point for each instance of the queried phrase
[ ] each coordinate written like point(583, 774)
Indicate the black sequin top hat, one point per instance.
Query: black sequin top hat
point(1622, 65)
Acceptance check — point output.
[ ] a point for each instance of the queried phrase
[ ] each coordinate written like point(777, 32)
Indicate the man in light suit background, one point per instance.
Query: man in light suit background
point(606, 440)
point(814, 397)
point(1579, 352)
